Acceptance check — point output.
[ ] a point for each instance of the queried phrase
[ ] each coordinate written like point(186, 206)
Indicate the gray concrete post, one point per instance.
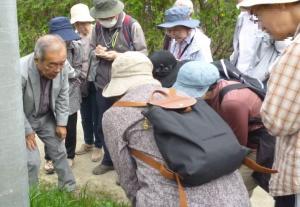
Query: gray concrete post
point(13, 165)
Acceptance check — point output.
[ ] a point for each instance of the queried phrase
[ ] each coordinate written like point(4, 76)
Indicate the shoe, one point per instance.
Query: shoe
point(101, 169)
point(96, 154)
point(71, 162)
point(85, 148)
point(49, 168)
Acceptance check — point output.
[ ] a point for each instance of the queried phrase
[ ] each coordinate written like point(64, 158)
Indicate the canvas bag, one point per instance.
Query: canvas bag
point(208, 148)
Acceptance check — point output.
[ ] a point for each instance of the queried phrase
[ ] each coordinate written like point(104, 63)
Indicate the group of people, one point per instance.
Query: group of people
point(88, 67)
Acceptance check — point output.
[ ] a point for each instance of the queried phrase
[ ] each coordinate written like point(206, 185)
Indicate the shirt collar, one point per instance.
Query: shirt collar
point(297, 31)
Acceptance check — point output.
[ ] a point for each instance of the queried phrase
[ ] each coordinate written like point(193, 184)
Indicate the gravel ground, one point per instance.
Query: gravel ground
point(106, 183)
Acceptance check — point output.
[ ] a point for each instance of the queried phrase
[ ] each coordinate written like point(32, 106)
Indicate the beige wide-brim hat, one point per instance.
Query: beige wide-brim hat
point(106, 8)
point(80, 13)
point(129, 70)
point(250, 3)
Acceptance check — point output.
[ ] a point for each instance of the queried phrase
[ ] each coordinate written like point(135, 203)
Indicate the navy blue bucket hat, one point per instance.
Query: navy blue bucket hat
point(62, 26)
point(178, 16)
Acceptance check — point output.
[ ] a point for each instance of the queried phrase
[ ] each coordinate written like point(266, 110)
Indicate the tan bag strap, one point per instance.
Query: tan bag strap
point(256, 167)
point(130, 104)
point(164, 171)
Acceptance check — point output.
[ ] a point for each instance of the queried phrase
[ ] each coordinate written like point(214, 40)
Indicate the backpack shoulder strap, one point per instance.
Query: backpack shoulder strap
point(130, 104)
point(97, 28)
point(127, 25)
point(229, 88)
point(164, 171)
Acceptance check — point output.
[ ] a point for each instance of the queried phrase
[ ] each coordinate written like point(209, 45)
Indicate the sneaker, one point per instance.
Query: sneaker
point(71, 162)
point(101, 169)
point(85, 148)
point(49, 168)
point(96, 154)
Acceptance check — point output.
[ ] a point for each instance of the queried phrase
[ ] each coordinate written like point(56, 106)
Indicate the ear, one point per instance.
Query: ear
point(36, 61)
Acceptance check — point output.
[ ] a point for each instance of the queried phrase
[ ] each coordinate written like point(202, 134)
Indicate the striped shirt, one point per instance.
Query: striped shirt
point(281, 115)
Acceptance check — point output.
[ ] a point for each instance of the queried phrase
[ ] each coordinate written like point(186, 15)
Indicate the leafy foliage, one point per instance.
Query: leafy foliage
point(217, 17)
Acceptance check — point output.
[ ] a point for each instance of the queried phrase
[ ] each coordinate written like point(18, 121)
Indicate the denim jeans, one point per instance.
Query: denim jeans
point(103, 104)
point(89, 117)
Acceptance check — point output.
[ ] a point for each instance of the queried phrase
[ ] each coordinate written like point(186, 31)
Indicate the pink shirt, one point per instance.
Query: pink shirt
point(237, 107)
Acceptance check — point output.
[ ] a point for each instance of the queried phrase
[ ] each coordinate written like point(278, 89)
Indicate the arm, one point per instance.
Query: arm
point(29, 133)
point(28, 128)
point(93, 60)
point(77, 59)
point(62, 101)
point(138, 38)
point(236, 116)
point(281, 108)
point(119, 151)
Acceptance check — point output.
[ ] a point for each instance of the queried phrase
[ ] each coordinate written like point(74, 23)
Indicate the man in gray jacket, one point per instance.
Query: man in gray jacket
point(45, 103)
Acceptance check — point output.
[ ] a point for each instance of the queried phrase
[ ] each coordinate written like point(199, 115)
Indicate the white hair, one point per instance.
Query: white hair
point(46, 43)
point(186, 3)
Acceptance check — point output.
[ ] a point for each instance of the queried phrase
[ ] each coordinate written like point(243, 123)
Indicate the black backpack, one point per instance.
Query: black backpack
point(195, 142)
point(229, 72)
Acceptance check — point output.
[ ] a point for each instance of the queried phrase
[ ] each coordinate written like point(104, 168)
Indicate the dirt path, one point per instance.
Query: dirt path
point(106, 183)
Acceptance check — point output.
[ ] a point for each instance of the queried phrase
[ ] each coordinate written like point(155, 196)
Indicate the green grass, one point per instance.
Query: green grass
point(50, 196)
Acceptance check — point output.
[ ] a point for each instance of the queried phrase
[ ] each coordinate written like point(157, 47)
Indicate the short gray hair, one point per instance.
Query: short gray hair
point(46, 43)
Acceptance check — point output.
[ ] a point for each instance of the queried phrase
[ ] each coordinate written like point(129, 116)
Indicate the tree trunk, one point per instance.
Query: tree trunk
point(13, 158)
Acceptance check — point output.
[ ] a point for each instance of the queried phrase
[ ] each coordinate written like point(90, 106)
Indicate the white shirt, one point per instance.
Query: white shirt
point(247, 41)
point(198, 49)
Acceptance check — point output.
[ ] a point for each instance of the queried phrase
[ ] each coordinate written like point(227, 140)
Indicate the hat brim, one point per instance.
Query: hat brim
point(82, 19)
point(251, 3)
point(119, 86)
point(191, 23)
point(194, 92)
point(67, 34)
point(109, 13)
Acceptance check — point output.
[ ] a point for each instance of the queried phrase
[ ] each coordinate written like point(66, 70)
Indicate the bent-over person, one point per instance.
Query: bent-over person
point(45, 103)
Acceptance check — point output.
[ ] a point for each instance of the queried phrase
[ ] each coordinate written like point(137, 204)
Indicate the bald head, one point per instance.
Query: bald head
point(48, 43)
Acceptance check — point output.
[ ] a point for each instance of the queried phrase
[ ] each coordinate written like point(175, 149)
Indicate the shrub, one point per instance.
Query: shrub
point(217, 16)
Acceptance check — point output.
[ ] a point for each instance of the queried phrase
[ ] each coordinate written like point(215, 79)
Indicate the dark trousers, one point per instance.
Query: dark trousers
point(103, 104)
point(285, 201)
point(89, 117)
point(70, 141)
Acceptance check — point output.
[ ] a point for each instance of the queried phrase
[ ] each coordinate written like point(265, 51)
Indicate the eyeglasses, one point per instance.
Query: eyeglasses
point(52, 66)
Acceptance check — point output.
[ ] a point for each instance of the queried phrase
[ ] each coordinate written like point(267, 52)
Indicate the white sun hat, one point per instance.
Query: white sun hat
point(80, 13)
point(250, 3)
